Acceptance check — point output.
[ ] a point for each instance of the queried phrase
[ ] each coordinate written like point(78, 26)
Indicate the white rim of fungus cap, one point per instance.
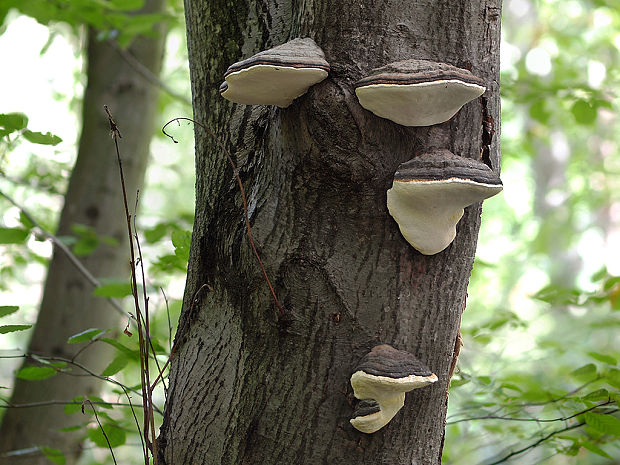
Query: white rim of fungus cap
point(419, 104)
point(271, 84)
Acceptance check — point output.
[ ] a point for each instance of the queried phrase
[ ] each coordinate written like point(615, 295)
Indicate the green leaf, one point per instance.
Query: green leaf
point(71, 428)
point(87, 240)
point(7, 310)
point(585, 373)
point(113, 289)
point(127, 4)
point(116, 365)
point(539, 112)
point(74, 408)
point(13, 121)
point(456, 382)
point(24, 220)
point(156, 233)
point(39, 138)
point(33, 373)
point(55, 455)
point(86, 335)
point(605, 424)
point(116, 435)
point(597, 396)
point(122, 348)
point(556, 295)
point(613, 378)
point(608, 359)
point(99, 402)
point(182, 241)
point(593, 448)
point(583, 112)
point(13, 235)
point(5, 329)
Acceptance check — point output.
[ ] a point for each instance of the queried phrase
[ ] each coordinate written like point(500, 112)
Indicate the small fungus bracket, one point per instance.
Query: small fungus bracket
point(380, 381)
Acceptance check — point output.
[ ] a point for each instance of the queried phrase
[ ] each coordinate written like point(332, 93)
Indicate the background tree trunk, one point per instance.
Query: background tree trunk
point(94, 198)
point(246, 389)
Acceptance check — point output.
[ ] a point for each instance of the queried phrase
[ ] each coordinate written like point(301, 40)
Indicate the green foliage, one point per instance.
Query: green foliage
point(113, 18)
point(13, 235)
point(15, 124)
point(117, 364)
point(117, 436)
point(54, 455)
point(5, 329)
point(35, 373)
point(113, 288)
point(8, 310)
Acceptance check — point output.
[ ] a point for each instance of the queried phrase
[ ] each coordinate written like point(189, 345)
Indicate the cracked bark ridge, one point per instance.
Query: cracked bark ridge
point(418, 92)
point(276, 76)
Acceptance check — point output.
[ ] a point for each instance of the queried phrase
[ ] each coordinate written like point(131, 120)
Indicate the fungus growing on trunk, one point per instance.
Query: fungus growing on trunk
point(380, 381)
point(276, 76)
point(418, 92)
point(430, 192)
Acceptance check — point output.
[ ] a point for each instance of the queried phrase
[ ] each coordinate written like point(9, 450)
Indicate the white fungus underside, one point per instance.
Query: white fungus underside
point(270, 84)
point(427, 211)
point(388, 392)
point(421, 104)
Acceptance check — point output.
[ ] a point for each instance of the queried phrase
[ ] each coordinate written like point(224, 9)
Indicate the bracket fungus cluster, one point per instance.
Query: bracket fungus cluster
point(418, 92)
point(276, 76)
point(430, 192)
point(380, 381)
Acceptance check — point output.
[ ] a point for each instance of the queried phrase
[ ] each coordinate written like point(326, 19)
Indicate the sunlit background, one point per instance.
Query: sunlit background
point(540, 332)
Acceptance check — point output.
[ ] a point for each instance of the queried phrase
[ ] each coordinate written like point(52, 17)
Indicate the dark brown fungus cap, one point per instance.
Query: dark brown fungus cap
point(430, 192)
point(384, 360)
point(418, 92)
point(276, 76)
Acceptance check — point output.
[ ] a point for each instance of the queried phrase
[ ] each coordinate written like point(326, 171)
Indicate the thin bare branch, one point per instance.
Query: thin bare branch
point(100, 427)
point(535, 420)
point(147, 73)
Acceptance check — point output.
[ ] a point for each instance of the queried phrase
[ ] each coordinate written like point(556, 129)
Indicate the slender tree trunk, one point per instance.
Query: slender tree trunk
point(93, 199)
point(246, 386)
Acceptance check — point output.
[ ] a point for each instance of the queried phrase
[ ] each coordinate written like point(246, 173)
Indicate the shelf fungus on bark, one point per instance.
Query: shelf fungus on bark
point(418, 92)
point(380, 381)
point(276, 76)
point(430, 192)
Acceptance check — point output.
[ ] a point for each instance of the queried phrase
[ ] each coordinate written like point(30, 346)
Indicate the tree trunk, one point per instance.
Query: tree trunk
point(248, 387)
point(94, 198)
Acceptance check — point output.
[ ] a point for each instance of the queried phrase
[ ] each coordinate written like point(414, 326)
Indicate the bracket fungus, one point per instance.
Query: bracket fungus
point(430, 192)
point(380, 381)
point(418, 92)
point(276, 76)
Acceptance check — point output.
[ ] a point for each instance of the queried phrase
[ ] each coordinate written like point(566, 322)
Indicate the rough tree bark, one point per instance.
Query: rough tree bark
point(246, 386)
point(94, 198)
